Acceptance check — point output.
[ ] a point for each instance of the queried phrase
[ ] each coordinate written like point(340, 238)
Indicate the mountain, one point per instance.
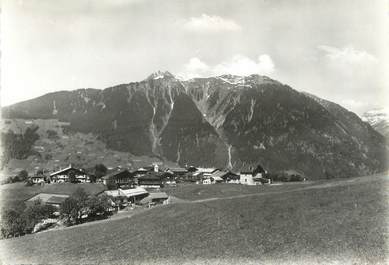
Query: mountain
point(379, 120)
point(225, 121)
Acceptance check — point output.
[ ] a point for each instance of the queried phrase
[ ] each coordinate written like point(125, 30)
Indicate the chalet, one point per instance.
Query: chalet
point(151, 180)
point(251, 176)
point(246, 176)
point(225, 176)
point(47, 198)
point(205, 172)
point(146, 169)
point(122, 178)
point(133, 195)
point(66, 175)
point(155, 198)
point(40, 178)
point(168, 178)
point(178, 171)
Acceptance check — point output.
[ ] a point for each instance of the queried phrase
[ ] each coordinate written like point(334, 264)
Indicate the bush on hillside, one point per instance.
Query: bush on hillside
point(80, 206)
point(35, 214)
point(12, 223)
point(18, 221)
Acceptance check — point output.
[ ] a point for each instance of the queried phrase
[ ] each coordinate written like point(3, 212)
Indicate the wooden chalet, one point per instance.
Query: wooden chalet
point(122, 178)
point(40, 178)
point(246, 175)
point(225, 176)
point(123, 196)
point(151, 180)
point(155, 198)
point(66, 174)
point(178, 171)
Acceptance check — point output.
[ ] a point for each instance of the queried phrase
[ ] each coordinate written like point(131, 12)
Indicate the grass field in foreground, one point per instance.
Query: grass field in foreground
point(344, 224)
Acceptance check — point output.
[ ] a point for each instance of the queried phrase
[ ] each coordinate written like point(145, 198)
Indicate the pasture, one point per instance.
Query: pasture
point(343, 223)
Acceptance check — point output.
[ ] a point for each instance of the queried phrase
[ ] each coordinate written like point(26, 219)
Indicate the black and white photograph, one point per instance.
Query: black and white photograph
point(194, 132)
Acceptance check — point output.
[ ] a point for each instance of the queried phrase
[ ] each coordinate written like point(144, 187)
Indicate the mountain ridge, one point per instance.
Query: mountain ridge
point(224, 121)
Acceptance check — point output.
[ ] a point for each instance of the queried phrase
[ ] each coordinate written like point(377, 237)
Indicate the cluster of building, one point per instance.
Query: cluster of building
point(153, 177)
point(142, 185)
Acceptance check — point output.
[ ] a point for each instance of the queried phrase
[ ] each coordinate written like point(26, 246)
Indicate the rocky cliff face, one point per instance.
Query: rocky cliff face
point(226, 121)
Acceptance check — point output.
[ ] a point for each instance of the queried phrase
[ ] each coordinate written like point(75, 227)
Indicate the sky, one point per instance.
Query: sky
point(335, 49)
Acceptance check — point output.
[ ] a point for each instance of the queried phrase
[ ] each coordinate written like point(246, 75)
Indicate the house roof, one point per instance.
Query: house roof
point(119, 174)
point(178, 170)
point(151, 176)
point(154, 196)
point(114, 193)
point(247, 169)
point(65, 170)
point(49, 198)
point(218, 174)
point(206, 170)
point(56, 199)
point(70, 188)
point(134, 192)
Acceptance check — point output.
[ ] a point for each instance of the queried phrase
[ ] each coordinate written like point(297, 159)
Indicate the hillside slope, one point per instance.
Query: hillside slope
point(226, 121)
point(340, 223)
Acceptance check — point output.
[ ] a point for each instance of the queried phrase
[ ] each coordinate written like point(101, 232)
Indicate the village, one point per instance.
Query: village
point(71, 195)
point(142, 185)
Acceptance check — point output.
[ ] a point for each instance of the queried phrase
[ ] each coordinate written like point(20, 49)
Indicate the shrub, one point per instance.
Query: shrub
point(97, 206)
point(12, 223)
point(100, 170)
point(23, 175)
point(69, 210)
point(35, 214)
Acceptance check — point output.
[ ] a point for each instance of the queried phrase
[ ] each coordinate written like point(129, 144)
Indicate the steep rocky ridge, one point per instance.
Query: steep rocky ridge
point(225, 121)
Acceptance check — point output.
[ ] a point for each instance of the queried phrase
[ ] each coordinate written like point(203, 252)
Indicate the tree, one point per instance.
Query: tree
point(69, 210)
point(12, 223)
point(72, 208)
point(100, 170)
point(35, 214)
point(98, 206)
point(23, 175)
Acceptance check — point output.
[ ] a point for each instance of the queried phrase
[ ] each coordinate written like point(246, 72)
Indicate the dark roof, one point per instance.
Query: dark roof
point(65, 170)
point(45, 197)
point(119, 174)
point(56, 200)
point(151, 176)
point(178, 170)
point(259, 169)
point(70, 188)
point(247, 169)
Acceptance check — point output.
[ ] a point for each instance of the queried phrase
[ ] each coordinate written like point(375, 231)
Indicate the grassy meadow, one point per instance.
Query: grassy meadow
point(342, 223)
